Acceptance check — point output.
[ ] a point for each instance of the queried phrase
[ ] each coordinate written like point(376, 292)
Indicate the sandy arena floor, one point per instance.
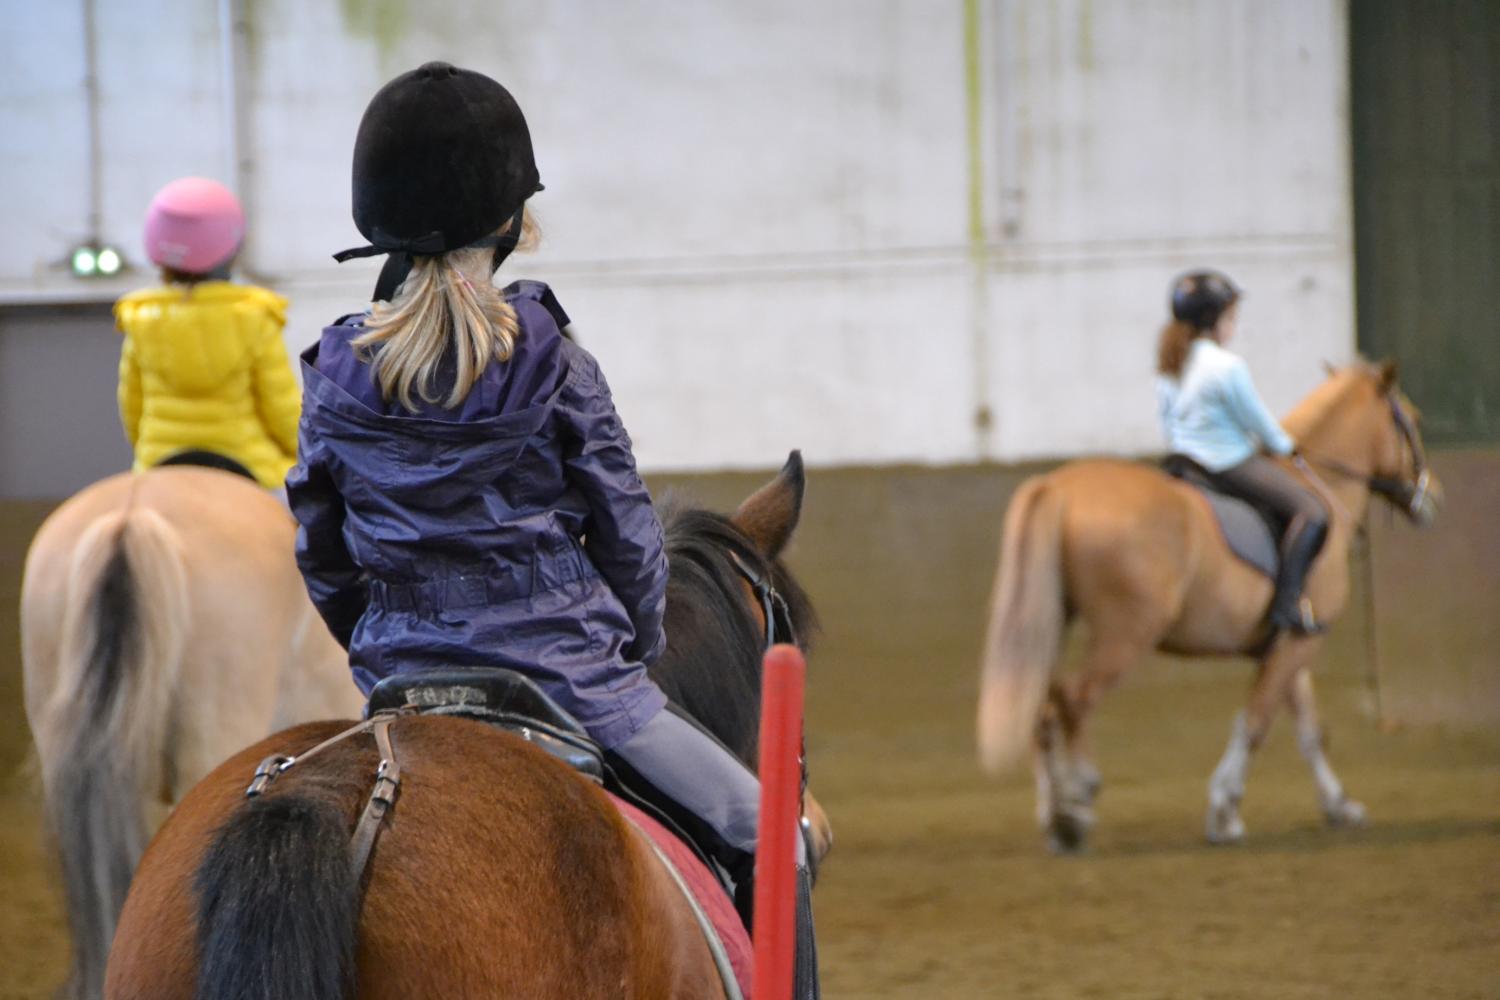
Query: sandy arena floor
point(939, 885)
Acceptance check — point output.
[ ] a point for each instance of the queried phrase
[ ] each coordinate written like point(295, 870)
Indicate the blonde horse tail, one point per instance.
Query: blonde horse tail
point(1025, 625)
point(103, 741)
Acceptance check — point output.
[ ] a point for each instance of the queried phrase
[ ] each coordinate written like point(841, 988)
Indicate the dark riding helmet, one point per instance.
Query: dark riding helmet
point(1199, 298)
point(442, 159)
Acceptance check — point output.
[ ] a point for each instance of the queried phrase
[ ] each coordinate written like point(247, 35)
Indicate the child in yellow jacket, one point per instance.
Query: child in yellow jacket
point(204, 367)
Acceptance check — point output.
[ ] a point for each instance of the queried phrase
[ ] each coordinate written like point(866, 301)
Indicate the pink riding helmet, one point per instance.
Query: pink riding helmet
point(194, 225)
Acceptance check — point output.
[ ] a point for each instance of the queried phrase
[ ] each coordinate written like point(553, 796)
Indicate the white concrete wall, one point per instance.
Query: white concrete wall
point(760, 215)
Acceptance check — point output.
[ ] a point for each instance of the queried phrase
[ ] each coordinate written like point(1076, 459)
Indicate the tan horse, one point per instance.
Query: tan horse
point(164, 626)
point(1138, 556)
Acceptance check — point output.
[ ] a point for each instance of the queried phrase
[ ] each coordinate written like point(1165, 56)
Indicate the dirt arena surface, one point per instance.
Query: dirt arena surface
point(939, 885)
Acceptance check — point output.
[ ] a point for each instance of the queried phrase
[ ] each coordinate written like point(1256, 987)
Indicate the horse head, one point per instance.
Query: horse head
point(1361, 426)
point(729, 589)
point(1400, 472)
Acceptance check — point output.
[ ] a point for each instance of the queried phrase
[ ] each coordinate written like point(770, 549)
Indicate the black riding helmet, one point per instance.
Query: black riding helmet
point(442, 159)
point(1199, 298)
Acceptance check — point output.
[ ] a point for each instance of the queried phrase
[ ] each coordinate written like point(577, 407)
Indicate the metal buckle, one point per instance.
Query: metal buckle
point(268, 771)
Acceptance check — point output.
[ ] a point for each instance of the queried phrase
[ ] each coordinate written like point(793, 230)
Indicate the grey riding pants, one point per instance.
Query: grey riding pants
point(696, 771)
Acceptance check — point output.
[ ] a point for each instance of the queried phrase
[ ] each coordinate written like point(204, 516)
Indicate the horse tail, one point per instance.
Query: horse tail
point(278, 902)
point(1025, 625)
point(103, 733)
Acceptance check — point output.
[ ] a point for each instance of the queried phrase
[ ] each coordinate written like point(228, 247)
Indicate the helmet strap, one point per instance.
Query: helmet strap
point(504, 243)
point(398, 262)
point(397, 267)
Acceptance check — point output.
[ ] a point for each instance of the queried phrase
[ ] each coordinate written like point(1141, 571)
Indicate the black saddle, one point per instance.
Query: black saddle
point(500, 698)
point(1251, 532)
point(506, 699)
point(208, 460)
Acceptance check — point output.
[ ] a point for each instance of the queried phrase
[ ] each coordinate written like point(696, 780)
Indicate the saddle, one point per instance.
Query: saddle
point(509, 701)
point(500, 698)
point(1252, 534)
point(208, 460)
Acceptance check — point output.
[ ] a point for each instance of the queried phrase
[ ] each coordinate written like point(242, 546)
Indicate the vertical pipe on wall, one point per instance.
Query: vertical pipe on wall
point(979, 306)
point(91, 105)
point(237, 164)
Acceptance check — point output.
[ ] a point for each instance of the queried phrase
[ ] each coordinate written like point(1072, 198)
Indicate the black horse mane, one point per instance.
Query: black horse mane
point(708, 612)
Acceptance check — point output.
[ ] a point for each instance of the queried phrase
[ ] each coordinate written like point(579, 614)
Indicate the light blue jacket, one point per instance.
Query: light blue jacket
point(1212, 413)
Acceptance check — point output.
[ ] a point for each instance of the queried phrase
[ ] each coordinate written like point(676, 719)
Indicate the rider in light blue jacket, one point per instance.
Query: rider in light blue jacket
point(1211, 413)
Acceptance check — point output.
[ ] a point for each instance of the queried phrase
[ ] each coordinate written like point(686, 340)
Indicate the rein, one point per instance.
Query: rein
point(1409, 496)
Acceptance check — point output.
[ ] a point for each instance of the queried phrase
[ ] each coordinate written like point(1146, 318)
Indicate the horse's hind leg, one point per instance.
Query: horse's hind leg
point(1226, 788)
point(1065, 773)
point(1338, 809)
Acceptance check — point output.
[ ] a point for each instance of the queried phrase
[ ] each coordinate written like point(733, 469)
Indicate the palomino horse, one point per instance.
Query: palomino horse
point(1138, 557)
point(163, 627)
point(499, 873)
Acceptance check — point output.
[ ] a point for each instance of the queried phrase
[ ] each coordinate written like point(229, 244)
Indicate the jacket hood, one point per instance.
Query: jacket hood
point(416, 460)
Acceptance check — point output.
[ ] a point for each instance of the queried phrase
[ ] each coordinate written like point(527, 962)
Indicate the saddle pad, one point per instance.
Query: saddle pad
point(705, 888)
point(1246, 532)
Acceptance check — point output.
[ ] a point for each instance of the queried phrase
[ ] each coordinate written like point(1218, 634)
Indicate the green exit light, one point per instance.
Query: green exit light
point(85, 262)
point(92, 260)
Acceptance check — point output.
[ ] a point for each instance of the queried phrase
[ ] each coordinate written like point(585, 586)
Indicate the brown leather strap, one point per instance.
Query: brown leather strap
point(382, 796)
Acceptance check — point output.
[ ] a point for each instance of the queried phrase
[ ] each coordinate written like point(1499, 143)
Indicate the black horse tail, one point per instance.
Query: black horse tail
point(278, 903)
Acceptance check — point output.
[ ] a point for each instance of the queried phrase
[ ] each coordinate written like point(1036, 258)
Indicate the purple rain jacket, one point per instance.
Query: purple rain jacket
point(512, 531)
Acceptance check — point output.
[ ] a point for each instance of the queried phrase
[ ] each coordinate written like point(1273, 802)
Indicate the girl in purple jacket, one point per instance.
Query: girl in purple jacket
point(466, 492)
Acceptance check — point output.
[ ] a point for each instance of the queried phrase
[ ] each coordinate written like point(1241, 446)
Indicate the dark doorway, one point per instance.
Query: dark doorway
point(1425, 106)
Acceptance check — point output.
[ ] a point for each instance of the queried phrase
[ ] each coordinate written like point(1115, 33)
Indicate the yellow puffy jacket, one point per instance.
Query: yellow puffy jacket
point(204, 367)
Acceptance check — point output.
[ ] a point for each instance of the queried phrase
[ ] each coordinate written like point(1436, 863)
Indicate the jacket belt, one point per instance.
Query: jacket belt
point(453, 592)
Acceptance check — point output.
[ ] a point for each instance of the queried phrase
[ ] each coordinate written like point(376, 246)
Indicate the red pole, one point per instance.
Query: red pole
point(776, 851)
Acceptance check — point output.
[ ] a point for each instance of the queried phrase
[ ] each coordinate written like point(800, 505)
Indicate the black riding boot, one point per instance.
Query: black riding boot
point(1304, 540)
point(805, 967)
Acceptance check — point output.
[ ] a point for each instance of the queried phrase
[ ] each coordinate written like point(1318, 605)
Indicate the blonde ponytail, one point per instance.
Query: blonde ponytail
point(1172, 347)
point(442, 307)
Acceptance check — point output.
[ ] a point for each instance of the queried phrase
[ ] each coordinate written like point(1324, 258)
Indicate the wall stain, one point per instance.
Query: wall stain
point(380, 21)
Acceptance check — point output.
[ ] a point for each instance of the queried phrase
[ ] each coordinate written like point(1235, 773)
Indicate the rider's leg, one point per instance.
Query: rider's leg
point(691, 768)
point(1263, 482)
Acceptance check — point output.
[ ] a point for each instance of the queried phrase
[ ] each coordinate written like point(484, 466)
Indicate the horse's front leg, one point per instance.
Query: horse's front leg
point(1288, 657)
point(1338, 809)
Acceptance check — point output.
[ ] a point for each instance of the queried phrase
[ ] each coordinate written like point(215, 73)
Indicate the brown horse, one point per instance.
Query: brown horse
point(499, 872)
point(1138, 556)
point(163, 627)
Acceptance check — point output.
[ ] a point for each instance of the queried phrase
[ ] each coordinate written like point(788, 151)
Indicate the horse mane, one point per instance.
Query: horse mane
point(1327, 399)
point(712, 663)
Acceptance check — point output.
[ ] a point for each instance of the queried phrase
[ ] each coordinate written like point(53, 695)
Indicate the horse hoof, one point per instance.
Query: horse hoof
point(1346, 814)
point(1068, 834)
point(1224, 828)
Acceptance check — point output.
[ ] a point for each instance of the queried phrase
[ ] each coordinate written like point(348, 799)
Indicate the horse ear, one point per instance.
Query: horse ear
point(770, 514)
point(1329, 368)
point(1387, 375)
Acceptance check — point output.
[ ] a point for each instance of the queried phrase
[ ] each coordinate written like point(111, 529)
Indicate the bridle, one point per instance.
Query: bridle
point(779, 629)
point(775, 610)
point(1409, 497)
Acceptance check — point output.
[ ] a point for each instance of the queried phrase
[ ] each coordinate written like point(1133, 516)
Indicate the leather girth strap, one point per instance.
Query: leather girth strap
point(382, 796)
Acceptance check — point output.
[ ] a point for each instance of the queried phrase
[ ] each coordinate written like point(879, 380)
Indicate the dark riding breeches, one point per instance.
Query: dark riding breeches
point(1267, 485)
